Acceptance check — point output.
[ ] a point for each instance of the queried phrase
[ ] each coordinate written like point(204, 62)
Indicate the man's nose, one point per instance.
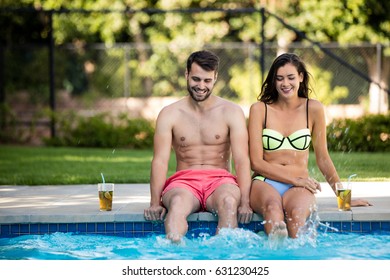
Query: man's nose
point(201, 84)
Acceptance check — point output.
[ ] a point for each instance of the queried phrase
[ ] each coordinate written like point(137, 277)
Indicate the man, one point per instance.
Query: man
point(204, 130)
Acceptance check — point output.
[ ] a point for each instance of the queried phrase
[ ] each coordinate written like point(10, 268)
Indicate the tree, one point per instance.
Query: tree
point(352, 21)
point(155, 22)
point(346, 22)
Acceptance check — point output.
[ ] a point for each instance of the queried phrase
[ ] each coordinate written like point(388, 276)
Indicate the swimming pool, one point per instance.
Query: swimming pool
point(64, 223)
point(229, 244)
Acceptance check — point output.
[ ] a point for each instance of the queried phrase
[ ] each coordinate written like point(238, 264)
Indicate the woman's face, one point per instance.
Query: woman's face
point(288, 80)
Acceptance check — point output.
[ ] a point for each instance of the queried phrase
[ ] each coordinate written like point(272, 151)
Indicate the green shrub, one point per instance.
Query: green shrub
point(13, 131)
point(370, 133)
point(103, 131)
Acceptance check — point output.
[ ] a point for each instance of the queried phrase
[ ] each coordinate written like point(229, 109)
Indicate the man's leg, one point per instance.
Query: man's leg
point(180, 203)
point(224, 201)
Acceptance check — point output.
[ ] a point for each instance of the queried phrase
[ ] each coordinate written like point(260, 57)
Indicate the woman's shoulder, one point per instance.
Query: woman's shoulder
point(315, 105)
point(259, 105)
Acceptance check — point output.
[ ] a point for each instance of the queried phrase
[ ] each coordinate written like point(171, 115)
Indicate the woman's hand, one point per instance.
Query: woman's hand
point(308, 183)
point(360, 202)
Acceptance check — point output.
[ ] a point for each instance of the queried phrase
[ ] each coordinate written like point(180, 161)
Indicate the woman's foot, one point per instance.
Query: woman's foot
point(278, 232)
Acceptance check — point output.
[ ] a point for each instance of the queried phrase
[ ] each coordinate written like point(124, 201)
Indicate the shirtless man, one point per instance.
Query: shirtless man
point(204, 130)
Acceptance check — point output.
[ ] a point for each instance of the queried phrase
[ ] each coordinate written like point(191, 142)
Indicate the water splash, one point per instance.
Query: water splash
point(230, 244)
point(309, 232)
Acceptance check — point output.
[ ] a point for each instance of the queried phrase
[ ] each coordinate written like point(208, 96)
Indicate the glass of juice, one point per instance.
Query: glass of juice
point(344, 195)
point(106, 194)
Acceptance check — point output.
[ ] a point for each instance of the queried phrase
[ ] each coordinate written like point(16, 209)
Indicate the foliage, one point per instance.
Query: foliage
point(322, 86)
point(352, 21)
point(158, 72)
point(370, 133)
point(102, 130)
point(348, 22)
point(244, 90)
point(17, 131)
point(8, 131)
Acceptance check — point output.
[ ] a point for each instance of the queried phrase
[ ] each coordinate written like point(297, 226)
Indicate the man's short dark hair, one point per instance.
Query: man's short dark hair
point(207, 60)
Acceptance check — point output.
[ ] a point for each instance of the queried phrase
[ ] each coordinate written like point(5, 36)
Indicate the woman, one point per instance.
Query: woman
point(282, 125)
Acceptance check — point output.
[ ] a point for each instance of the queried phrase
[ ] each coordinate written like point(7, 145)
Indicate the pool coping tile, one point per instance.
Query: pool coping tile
point(75, 209)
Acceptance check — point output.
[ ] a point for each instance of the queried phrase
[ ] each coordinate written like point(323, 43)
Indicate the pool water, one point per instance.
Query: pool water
point(229, 244)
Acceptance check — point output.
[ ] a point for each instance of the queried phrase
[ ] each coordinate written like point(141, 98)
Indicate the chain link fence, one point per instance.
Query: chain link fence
point(131, 78)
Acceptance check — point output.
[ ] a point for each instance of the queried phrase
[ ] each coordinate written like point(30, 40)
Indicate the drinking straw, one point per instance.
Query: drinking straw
point(349, 178)
point(103, 178)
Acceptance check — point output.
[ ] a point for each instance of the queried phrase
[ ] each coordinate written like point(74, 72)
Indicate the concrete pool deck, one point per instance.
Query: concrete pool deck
point(79, 203)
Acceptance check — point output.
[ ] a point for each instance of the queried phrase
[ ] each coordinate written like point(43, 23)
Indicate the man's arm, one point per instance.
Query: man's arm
point(159, 165)
point(239, 146)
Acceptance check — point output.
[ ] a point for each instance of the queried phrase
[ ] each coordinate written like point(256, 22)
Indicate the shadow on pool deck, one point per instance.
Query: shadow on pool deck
point(79, 203)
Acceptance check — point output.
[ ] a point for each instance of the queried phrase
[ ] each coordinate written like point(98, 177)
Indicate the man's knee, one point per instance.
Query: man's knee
point(228, 202)
point(175, 201)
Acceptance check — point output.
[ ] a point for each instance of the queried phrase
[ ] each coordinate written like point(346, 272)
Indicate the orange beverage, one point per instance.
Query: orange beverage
point(344, 199)
point(106, 194)
point(344, 195)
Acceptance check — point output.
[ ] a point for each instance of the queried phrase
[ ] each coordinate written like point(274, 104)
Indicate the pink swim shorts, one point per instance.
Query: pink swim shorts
point(201, 182)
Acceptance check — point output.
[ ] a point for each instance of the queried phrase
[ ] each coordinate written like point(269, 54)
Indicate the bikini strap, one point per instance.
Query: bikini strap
point(307, 113)
point(265, 117)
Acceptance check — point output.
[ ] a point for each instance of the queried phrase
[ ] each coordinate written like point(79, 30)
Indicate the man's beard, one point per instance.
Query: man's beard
point(192, 93)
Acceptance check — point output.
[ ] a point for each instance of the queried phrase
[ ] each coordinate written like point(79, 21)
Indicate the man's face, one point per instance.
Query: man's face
point(200, 82)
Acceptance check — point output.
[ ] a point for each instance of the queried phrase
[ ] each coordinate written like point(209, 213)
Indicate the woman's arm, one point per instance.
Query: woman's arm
point(324, 162)
point(319, 142)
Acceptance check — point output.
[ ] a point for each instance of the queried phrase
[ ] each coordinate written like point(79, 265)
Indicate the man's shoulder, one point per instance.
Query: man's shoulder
point(230, 106)
point(227, 103)
point(173, 106)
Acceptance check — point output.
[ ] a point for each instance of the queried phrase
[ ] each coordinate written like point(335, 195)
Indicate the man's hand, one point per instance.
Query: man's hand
point(155, 213)
point(245, 213)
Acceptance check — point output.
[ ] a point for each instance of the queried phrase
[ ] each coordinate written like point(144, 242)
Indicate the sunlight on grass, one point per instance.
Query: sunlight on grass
point(64, 166)
point(84, 159)
point(107, 159)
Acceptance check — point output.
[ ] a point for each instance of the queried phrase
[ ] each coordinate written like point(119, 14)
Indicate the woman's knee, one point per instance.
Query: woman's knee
point(296, 214)
point(273, 206)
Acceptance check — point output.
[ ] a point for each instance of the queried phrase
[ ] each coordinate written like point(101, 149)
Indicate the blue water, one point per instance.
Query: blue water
point(227, 245)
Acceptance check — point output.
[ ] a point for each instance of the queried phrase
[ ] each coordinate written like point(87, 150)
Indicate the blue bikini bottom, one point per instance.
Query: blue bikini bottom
point(279, 186)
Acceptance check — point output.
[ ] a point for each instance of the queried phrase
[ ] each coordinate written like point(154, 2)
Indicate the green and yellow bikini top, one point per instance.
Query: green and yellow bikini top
point(299, 140)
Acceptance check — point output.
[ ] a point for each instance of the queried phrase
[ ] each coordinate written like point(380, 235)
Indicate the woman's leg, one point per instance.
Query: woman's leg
point(266, 201)
point(298, 204)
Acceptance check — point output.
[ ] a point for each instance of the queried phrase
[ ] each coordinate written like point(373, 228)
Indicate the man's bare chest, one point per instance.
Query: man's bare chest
point(201, 133)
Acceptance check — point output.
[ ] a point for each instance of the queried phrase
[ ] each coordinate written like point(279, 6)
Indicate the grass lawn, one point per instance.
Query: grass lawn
point(63, 166)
